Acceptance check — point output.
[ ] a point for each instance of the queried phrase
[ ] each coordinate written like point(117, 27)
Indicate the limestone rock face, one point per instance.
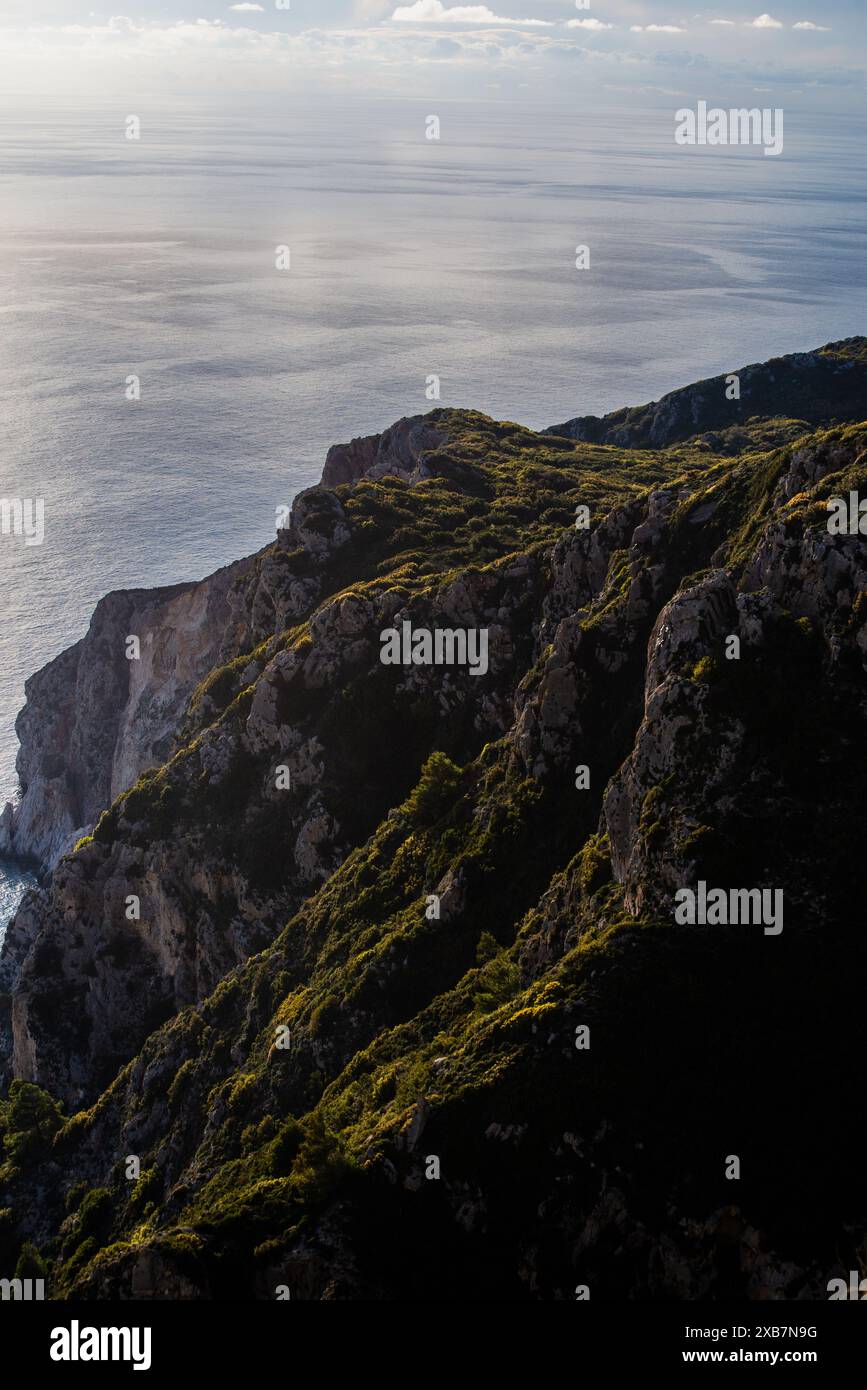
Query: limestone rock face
point(346, 463)
point(399, 451)
point(813, 387)
point(674, 734)
point(810, 572)
point(676, 793)
point(581, 559)
point(275, 825)
point(693, 624)
point(222, 847)
point(94, 719)
point(317, 522)
point(621, 568)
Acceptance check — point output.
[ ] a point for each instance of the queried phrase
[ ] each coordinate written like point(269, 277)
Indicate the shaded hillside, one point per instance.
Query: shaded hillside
point(777, 401)
point(334, 1085)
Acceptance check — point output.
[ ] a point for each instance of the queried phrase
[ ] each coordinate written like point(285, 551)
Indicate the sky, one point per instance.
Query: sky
point(810, 52)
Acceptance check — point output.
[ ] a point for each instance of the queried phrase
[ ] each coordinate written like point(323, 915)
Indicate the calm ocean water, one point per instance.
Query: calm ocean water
point(409, 257)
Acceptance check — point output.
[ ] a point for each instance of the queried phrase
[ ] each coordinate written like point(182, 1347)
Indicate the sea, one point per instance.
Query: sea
point(164, 387)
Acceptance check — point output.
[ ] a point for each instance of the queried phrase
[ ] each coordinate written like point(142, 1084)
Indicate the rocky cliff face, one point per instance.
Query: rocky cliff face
point(398, 452)
point(324, 969)
point(95, 719)
point(780, 398)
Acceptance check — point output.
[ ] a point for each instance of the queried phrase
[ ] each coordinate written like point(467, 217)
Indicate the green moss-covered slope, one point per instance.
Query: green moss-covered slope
point(476, 1057)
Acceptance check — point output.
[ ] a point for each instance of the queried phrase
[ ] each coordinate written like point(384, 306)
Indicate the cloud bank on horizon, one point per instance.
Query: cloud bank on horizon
point(435, 12)
point(817, 48)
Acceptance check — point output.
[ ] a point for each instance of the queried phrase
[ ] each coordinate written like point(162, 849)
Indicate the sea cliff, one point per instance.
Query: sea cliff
point(321, 934)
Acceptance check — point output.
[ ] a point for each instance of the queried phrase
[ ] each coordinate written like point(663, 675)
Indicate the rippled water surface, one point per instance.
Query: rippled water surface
point(409, 258)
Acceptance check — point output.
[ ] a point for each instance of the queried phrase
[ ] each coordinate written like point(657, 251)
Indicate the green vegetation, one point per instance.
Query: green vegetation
point(417, 1036)
point(29, 1119)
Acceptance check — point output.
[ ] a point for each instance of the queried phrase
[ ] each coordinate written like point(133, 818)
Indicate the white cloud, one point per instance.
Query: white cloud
point(729, 23)
point(808, 24)
point(434, 12)
point(238, 56)
point(655, 29)
point(766, 21)
point(120, 54)
point(595, 24)
point(247, 9)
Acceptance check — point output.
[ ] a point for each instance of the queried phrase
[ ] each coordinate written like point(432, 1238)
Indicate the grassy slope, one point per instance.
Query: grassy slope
point(699, 1043)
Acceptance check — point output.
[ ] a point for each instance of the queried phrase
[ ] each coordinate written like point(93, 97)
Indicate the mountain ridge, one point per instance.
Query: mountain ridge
point(453, 1037)
point(791, 393)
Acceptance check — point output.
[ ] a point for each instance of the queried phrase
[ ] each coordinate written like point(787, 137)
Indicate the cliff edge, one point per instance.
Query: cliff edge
point(362, 959)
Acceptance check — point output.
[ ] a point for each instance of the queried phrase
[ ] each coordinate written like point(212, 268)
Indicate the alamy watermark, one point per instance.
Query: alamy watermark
point(23, 517)
point(440, 647)
point(847, 516)
point(739, 126)
point(22, 1290)
point(77, 1343)
point(855, 1291)
point(730, 907)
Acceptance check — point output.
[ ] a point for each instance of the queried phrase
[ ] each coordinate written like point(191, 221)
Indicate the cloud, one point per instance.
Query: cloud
point(595, 24)
point(237, 56)
point(247, 8)
point(434, 12)
point(655, 29)
point(766, 21)
point(126, 52)
point(729, 23)
point(808, 24)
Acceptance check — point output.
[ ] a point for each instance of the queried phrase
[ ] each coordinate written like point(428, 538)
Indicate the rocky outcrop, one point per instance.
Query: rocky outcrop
point(679, 797)
point(807, 571)
point(815, 388)
point(382, 957)
point(94, 718)
point(675, 735)
point(221, 848)
point(399, 452)
point(606, 584)
point(102, 712)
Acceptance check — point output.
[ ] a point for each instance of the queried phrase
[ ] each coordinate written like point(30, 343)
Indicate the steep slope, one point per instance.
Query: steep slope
point(777, 400)
point(366, 1083)
point(217, 854)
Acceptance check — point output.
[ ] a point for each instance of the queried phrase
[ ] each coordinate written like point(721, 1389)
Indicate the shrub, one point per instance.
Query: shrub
point(284, 1148)
point(319, 1164)
point(436, 789)
point(147, 1189)
point(498, 982)
point(30, 1263)
point(32, 1119)
point(595, 864)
